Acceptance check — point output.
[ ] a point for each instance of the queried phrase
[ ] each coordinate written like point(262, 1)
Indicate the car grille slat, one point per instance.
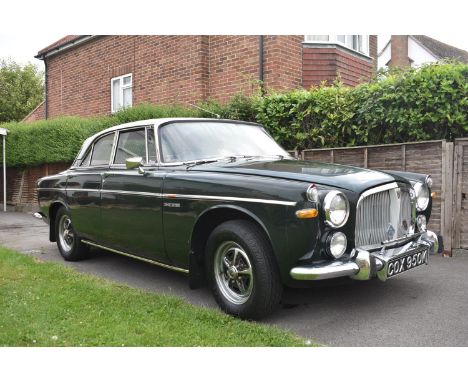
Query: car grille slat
point(381, 216)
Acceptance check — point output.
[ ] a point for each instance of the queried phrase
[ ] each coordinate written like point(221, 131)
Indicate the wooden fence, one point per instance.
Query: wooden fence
point(430, 157)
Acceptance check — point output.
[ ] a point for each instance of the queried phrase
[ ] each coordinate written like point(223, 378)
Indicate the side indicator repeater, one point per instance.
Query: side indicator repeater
point(308, 213)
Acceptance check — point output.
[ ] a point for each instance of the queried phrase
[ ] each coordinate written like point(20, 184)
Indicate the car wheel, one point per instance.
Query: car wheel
point(242, 271)
point(69, 244)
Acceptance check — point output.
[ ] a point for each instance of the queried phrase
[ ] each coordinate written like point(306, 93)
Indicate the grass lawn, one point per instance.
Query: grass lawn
point(46, 304)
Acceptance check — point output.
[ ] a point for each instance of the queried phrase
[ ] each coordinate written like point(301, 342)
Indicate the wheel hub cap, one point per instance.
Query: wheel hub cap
point(233, 272)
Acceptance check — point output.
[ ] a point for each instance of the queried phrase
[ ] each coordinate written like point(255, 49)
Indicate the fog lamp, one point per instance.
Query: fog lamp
point(337, 243)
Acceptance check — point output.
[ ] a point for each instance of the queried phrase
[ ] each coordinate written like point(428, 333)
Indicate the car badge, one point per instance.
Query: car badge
point(398, 194)
point(390, 232)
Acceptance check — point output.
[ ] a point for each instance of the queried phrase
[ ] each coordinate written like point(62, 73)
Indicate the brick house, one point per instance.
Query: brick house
point(97, 75)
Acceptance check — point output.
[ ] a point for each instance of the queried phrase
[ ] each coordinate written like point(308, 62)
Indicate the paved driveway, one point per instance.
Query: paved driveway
point(425, 307)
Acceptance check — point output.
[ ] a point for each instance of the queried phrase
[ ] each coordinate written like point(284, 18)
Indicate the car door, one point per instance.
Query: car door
point(131, 216)
point(84, 188)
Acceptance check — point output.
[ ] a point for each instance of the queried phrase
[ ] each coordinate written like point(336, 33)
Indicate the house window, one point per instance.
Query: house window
point(121, 92)
point(359, 43)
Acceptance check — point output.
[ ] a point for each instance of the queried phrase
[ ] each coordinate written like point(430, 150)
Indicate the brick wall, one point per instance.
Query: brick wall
point(37, 114)
point(168, 69)
point(187, 69)
point(233, 66)
point(283, 62)
point(324, 62)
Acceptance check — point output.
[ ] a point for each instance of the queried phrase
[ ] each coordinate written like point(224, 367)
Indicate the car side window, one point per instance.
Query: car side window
point(85, 160)
point(131, 144)
point(102, 150)
point(151, 145)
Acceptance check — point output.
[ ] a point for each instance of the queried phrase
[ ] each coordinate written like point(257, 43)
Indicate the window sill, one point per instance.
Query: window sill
point(326, 44)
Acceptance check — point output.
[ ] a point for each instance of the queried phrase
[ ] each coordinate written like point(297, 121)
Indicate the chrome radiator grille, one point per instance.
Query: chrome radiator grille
point(381, 216)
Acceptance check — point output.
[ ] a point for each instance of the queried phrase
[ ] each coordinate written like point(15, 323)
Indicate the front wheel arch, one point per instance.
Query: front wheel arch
point(207, 221)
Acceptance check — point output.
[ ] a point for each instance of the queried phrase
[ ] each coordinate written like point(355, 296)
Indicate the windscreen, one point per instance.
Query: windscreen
point(188, 141)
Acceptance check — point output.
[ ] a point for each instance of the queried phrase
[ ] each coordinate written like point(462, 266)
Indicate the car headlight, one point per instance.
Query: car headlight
point(336, 208)
point(337, 243)
point(422, 195)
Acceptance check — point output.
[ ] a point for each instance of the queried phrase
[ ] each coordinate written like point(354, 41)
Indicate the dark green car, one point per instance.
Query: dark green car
point(221, 201)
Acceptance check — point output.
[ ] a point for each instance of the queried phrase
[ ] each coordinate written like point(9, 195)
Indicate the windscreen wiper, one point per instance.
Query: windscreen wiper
point(198, 162)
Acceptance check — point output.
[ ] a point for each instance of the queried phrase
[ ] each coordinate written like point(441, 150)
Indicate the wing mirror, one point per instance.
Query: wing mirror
point(135, 162)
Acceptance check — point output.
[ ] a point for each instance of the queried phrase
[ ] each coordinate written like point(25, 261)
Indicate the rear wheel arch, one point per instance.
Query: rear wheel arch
point(54, 207)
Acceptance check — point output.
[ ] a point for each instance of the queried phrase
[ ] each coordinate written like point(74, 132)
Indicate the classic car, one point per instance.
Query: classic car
point(221, 201)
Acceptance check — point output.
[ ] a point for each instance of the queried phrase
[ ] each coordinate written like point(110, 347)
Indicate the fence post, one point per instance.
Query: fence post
point(446, 223)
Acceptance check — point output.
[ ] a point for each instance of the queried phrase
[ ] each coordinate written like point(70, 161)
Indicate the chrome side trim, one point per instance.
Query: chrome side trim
point(228, 198)
point(84, 189)
point(51, 189)
point(171, 267)
point(132, 193)
point(178, 196)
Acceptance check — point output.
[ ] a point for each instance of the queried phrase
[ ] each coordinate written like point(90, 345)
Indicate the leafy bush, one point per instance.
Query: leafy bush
point(400, 106)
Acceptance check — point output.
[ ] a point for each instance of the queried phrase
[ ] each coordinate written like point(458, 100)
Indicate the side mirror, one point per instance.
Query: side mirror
point(134, 162)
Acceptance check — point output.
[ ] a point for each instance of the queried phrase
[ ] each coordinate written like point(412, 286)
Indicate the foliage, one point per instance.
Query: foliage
point(46, 304)
point(21, 90)
point(397, 106)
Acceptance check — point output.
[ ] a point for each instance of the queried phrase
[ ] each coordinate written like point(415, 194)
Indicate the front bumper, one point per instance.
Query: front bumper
point(364, 265)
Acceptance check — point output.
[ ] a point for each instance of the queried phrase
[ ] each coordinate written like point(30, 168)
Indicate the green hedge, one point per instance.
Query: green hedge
point(59, 139)
point(427, 103)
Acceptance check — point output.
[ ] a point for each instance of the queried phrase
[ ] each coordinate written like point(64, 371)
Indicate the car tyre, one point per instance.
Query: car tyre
point(242, 271)
point(69, 244)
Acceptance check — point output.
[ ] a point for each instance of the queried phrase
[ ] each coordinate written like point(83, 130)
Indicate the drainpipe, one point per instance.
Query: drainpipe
point(260, 63)
point(46, 83)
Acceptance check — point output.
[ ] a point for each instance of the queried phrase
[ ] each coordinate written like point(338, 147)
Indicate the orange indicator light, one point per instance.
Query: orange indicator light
point(308, 213)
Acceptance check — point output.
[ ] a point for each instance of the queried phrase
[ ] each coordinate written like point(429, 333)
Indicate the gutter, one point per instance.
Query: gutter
point(46, 92)
point(61, 48)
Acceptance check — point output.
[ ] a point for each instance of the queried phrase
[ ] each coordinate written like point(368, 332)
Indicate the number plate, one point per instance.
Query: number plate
point(406, 262)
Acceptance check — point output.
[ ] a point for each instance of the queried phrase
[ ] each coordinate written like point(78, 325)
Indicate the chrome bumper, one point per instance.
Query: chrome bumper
point(364, 265)
point(41, 216)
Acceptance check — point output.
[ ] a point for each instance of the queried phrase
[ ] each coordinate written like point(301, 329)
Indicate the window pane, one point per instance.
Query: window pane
point(85, 160)
point(317, 37)
point(349, 41)
point(151, 145)
point(102, 150)
point(127, 97)
point(116, 95)
point(341, 38)
point(127, 80)
point(131, 144)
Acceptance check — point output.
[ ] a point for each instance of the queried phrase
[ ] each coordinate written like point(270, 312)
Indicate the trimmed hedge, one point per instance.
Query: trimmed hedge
point(403, 106)
point(60, 139)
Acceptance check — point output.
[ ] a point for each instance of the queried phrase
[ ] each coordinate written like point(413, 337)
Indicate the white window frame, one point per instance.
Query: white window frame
point(122, 87)
point(333, 39)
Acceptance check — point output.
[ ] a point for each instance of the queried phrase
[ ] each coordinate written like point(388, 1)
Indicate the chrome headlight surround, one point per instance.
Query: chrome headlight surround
point(336, 244)
point(422, 196)
point(331, 199)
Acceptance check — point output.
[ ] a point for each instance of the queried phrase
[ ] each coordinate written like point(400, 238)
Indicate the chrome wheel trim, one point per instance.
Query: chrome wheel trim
point(66, 235)
point(233, 272)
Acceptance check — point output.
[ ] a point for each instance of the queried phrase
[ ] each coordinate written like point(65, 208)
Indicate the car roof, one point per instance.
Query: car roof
point(156, 122)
